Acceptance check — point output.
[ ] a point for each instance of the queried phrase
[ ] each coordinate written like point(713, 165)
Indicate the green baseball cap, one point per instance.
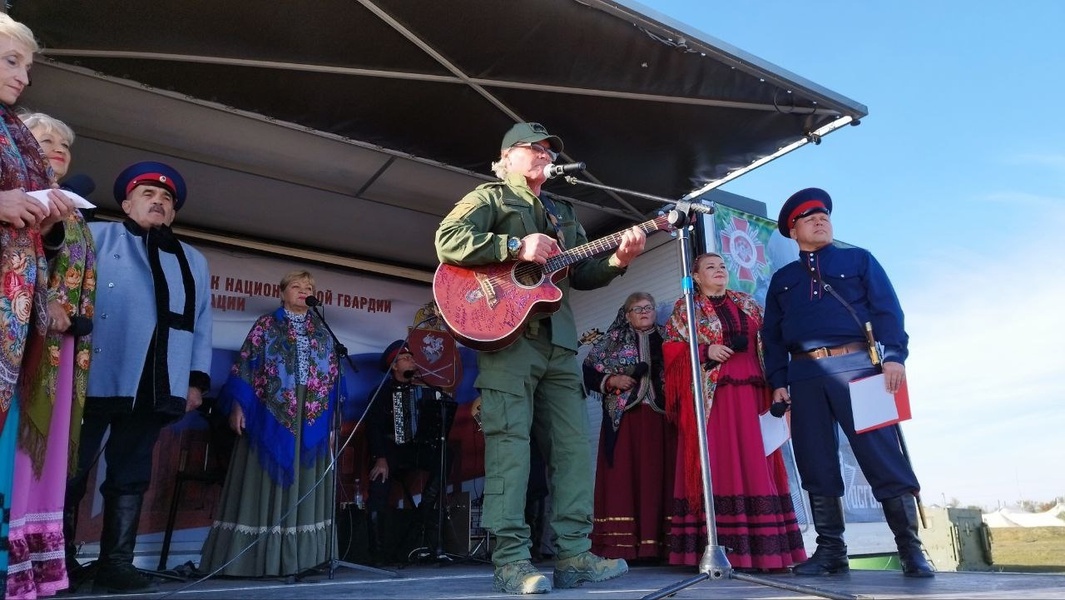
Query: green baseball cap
point(524, 133)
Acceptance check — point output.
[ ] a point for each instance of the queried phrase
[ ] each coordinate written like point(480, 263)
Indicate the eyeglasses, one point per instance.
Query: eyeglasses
point(538, 148)
point(642, 309)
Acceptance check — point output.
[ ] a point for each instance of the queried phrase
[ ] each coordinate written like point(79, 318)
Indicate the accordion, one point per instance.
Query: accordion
point(416, 416)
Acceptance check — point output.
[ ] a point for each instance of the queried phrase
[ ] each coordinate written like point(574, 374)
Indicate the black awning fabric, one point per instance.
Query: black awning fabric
point(647, 104)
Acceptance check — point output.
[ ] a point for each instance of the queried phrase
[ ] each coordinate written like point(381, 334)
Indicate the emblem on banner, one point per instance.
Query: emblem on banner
point(748, 254)
point(433, 347)
point(435, 351)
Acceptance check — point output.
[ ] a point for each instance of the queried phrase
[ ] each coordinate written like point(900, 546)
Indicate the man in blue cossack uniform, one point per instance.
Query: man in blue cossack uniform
point(815, 345)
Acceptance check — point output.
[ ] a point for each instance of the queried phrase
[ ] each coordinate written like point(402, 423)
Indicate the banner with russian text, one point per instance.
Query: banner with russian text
point(364, 311)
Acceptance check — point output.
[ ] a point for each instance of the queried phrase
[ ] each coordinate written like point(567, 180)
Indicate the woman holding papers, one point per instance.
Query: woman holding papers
point(52, 396)
point(27, 231)
point(637, 444)
point(754, 512)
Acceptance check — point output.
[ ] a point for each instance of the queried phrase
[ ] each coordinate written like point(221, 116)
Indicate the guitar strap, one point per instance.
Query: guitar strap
point(553, 220)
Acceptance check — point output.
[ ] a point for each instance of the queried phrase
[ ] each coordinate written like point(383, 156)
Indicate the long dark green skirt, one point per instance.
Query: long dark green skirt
point(261, 516)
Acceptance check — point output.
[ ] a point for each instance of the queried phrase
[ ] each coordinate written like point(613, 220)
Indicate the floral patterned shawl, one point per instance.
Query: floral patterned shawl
point(264, 381)
point(709, 332)
point(73, 285)
point(618, 351)
point(679, 381)
point(23, 267)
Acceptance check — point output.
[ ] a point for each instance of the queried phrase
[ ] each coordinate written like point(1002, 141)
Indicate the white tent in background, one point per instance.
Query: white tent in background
point(1007, 517)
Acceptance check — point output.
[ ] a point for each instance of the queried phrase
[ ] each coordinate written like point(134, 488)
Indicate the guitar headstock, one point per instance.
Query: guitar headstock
point(590, 337)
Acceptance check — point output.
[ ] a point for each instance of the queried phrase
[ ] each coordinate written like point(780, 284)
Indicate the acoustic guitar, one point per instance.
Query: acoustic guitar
point(486, 307)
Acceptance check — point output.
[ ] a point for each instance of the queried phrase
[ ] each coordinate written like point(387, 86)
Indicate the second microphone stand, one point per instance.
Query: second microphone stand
point(332, 563)
point(447, 406)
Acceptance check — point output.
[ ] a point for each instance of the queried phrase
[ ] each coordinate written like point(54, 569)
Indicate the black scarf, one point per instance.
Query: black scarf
point(155, 377)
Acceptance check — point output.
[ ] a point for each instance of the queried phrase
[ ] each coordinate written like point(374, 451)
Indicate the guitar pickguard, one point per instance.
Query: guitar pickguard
point(487, 291)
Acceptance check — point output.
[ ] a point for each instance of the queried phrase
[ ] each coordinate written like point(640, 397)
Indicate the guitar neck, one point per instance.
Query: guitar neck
point(605, 244)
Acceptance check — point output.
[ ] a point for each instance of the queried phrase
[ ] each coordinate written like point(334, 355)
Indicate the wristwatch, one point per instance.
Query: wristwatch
point(513, 247)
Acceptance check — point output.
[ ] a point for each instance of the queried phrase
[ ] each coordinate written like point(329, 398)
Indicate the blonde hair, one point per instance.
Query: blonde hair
point(698, 259)
point(695, 263)
point(18, 32)
point(296, 275)
point(499, 167)
point(48, 124)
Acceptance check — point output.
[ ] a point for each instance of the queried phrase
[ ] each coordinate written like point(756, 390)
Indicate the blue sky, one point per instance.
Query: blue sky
point(955, 182)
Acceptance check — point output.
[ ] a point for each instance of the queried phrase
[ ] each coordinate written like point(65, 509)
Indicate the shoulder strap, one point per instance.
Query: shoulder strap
point(553, 218)
point(865, 328)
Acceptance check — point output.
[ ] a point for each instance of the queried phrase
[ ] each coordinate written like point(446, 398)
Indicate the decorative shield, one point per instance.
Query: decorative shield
point(436, 355)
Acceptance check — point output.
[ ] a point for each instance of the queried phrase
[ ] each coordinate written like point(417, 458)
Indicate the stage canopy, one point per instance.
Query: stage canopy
point(343, 130)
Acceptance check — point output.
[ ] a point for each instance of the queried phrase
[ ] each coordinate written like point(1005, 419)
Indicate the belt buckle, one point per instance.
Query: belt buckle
point(819, 353)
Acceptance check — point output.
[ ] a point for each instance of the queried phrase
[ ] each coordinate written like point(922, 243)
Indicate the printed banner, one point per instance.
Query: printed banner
point(743, 239)
point(365, 312)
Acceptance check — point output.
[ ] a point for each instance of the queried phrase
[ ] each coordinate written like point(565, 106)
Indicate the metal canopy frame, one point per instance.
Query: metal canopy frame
point(331, 126)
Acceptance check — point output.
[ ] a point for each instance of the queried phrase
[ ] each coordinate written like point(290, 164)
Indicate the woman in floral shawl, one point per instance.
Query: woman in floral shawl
point(53, 402)
point(755, 517)
point(637, 445)
point(280, 397)
point(27, 229)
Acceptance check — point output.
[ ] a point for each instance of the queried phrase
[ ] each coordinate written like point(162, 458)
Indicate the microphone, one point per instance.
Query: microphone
point(777, 409)
point(79, 326)
point(699, 207)
point(410, 373)
point(552, 171)
point(311, 302)
point(80, 184)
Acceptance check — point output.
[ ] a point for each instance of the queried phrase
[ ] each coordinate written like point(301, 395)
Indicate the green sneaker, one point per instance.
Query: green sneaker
point(573, 571)
point(520, 577)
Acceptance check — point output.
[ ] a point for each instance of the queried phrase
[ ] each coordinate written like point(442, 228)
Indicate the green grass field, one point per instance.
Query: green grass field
point(1028, 549)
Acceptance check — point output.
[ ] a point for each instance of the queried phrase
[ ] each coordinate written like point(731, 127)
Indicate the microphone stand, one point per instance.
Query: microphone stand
point(332, 563)
point(444, 401)
point(714, 565)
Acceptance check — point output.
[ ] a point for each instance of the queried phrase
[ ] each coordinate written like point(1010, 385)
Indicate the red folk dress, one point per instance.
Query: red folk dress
point(755, 517)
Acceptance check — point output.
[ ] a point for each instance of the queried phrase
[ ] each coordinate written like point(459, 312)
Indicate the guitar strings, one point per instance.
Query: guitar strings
point(528, 269)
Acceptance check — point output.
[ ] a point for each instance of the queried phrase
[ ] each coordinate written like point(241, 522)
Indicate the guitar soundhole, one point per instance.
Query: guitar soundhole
point(528, 274)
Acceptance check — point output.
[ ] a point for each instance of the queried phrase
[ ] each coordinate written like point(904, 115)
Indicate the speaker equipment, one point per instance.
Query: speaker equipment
point(457, 540)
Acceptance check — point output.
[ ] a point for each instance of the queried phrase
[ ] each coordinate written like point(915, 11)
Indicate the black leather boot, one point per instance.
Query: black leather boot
point(77, 573)
point(115, 573)
point(428, 513)
point(831, 554)
point(901, 514)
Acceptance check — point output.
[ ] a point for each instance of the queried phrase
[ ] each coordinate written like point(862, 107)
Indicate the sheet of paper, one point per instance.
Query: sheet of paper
point(873, 406)
point(774, 432)
point(42, 197)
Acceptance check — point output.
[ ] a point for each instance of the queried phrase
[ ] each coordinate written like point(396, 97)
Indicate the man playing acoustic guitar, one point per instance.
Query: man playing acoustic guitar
point(533, 385)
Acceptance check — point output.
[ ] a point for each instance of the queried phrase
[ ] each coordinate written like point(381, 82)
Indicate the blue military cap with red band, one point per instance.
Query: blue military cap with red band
point(150, 173)
point(801, 204)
